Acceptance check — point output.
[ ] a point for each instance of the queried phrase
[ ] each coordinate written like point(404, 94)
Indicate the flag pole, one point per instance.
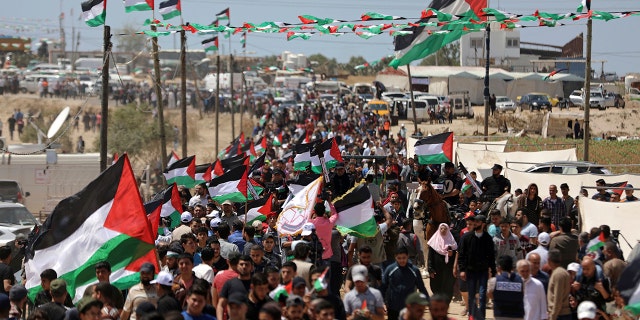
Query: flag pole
point(105, 99)
point(217, 102)
point(231, 100)
point(413, 103)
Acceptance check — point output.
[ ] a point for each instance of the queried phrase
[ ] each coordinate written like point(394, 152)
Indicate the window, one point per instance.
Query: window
point(513, 43)
point(476, 43)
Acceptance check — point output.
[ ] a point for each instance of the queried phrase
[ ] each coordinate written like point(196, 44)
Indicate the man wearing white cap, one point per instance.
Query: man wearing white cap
point(184, 228)
point(587, 310)
point(543, 247)
point(363, 300)
point(228, 214)
point(167, 301)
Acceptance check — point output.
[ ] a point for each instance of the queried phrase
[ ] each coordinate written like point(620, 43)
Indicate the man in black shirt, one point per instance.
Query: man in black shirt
point(241, 284)
point(167, 301)
point(496, 185)
point(452, 183)
point(55, 309)
point(5, 270)
point(258, 295)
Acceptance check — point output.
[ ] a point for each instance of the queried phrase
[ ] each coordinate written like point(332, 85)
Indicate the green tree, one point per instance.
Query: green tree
point(322, 64)
point(134, 132)
point(132, 42)
point(449, 55)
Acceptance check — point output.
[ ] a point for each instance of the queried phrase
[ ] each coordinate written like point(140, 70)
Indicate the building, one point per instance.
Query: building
point(508, 52)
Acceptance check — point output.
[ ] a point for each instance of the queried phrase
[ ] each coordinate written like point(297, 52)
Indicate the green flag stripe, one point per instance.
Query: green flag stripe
point(119, 252)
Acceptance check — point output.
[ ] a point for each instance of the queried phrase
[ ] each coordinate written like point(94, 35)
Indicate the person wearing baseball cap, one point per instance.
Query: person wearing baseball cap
point(141, 292)
point(362, 292)
point(166, 301)
point(237, 306)
point(55, 309)
point(496, 185)
point(587, 310)
point(184, 228)
point(415, 305)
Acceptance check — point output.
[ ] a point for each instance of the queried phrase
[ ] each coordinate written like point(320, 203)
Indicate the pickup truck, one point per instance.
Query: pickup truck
point(597, 100)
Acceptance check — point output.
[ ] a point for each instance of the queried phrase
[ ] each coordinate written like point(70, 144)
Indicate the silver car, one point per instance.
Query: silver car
point(504, 104)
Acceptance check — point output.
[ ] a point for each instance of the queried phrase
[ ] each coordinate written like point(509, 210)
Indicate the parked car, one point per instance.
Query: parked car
point(534, 101)
point(576, 97)
point(610, 100)
point(15, 218)
point(461, 104)
point(504, 104)
point(11, 191)
point(568, 167)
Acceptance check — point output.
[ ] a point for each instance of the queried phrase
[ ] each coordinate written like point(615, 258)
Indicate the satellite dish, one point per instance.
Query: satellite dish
point(58, 122)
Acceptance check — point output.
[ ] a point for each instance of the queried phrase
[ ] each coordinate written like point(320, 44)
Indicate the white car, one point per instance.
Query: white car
point(569, 167)
point(504, 104)
point(15, 218)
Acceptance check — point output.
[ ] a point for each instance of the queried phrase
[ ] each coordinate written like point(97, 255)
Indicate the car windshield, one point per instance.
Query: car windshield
point(502, 99)
point(377, 106)
point(20, 216)
point(596, 94)
point(539, 97)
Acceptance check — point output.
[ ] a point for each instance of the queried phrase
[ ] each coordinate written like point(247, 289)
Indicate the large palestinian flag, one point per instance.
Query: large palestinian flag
point(105, 221)
point(203, 173)
point(435, 149)
point(138, 5)
point(182, 172)
point(355, 213)
point(331, 153)
point(230, 186)
point(167, 203)
point(421, 43)
point(170, 9)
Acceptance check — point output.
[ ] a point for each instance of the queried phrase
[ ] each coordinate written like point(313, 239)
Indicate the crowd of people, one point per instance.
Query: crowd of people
point(213, 265)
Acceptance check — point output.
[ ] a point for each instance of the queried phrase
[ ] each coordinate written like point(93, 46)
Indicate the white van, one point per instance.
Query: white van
point(30, 83)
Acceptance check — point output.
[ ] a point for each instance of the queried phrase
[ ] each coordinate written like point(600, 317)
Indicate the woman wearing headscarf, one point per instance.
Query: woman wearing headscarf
point(442, 253)
point(531, 201)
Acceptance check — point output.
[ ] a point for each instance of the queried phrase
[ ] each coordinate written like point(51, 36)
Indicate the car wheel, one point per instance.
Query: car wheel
point(23, 90)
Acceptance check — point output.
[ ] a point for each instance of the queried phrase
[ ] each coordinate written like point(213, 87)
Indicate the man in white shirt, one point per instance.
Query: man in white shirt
point(543, 248)
point(535, 298)
point(200, 197)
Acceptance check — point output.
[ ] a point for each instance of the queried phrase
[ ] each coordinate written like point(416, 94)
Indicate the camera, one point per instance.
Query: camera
point(22, 242)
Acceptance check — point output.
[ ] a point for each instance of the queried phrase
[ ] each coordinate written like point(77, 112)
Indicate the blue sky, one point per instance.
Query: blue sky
point(613, 41)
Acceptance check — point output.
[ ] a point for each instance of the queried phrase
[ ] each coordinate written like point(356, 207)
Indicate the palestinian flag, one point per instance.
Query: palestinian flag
point(596, 244)
point(223, 165)
point(230, 186)
point(258, 210)
point(422, 42)
point(249, 150)
point(168, 201)
point(210, 44)
point(466, 185)
point(173, 157)
point(94, 12)
point(105, 221)
point(322, 283)
point(297, 211)
point(258, 164)
point(629, 286)
point(138, 5)
point(617, 187)
point(302, 159)
point(435, 149)
point(355, 209)
point(277, 140)
point(203, 173)
point(261, 146)
point(170, 9)
point(331, 153)
point(182, 172)
point(584, 4)
point(281, 292)
point(257, 187)
point(224, 15)
point(301, 182)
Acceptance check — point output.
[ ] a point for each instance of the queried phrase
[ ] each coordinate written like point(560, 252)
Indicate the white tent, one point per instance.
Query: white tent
point(621, 216)
point(520, 179)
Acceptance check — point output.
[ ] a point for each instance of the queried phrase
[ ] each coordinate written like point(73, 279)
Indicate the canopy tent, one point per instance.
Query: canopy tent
point(521, 179)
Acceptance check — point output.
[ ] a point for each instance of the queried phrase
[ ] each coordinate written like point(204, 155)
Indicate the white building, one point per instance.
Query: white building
point(504, 45)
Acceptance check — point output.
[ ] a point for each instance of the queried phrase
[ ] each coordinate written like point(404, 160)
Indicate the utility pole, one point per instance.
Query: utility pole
point(587, 90)
point(217, 104)
point(104, 124)
point(183, 89)
point(413, 103)
point(486, 83)
point(158, 90)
